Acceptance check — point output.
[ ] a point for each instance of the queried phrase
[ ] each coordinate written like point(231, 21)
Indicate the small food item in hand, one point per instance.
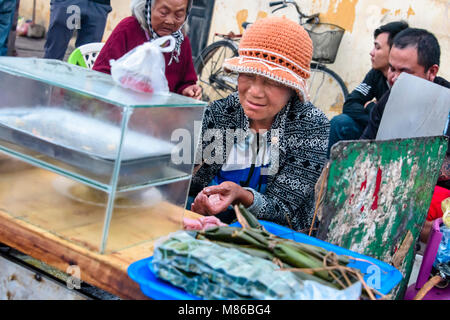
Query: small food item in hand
point(192, 224)
point(210, 222)
point(214, 198)
point(202, 223)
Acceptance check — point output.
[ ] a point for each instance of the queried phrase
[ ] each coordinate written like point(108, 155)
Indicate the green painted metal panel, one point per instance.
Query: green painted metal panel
point(378, 194)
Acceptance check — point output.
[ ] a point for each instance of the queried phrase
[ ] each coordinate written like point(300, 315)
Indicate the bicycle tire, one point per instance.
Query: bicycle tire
point(215, 83)
point(327, 90)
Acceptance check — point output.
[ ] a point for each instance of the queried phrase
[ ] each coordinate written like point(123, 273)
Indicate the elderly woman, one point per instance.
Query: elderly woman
point(270, 142)
point(152, 19)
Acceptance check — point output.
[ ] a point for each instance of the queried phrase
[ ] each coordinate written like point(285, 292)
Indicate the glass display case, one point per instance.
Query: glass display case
point(90, 161)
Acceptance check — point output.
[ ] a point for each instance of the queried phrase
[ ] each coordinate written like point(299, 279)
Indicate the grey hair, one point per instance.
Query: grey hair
point(138, 11)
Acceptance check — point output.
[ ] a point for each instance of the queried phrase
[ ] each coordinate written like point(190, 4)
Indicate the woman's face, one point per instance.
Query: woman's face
point(262, 99)
point(168, 16)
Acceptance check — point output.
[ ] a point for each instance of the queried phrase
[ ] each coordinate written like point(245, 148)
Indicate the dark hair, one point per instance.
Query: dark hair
point(428, 49)
point(392, 29)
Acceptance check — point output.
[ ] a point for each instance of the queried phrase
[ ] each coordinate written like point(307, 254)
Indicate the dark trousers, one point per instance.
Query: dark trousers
point(342, 127)
point(7, 10)
point(64, 15)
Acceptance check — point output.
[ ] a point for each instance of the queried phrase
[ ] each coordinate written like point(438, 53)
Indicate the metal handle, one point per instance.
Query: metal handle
point(275, 3)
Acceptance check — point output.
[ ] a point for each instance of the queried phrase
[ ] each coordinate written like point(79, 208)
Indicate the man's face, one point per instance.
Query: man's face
point(406, 60)
point(379, 56)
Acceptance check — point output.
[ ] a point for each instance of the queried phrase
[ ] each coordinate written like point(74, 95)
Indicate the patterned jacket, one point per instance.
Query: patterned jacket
point(298, 139)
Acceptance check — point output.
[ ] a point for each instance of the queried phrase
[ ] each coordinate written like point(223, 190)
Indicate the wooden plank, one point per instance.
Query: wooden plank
point(107, 272)
point(38, 221)
point(377, 197)
point(43, 199)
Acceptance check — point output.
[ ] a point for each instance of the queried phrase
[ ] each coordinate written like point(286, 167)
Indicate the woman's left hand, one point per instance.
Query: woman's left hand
point(193, 91)
point(215, 199)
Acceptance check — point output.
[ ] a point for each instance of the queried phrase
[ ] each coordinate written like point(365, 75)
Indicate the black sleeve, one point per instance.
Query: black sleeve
point(354, 104)
point(375, 118)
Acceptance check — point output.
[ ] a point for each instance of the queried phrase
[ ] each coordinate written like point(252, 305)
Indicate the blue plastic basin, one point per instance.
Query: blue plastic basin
point(377, 274)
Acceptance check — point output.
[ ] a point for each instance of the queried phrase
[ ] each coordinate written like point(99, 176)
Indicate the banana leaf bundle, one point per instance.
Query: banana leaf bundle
point(207, 269)
point(308, 262)
point(251, 263)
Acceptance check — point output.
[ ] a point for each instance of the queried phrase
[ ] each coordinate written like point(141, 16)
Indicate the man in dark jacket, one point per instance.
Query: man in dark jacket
point(350, 124)
point(88, 17)
point(417, 52)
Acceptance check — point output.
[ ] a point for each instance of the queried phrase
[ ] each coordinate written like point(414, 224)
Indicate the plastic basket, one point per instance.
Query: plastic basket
point(142, 271)
point(326, 39)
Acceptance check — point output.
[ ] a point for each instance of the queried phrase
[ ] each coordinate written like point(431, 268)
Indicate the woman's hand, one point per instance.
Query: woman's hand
point(193, 91)
point(215, 199)
point(374, 100)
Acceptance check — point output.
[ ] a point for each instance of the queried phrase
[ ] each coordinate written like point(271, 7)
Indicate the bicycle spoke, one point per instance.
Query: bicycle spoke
point(326, 92)
point(215, 82)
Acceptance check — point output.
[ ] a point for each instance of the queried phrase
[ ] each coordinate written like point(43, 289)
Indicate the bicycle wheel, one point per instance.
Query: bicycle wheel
point(214, 81)
point(327, 90)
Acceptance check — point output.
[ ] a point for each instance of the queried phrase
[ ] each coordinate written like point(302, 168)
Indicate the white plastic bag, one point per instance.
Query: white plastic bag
point(143, 68)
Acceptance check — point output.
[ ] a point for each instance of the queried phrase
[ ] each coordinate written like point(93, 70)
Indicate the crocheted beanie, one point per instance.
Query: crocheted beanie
point(277, 48)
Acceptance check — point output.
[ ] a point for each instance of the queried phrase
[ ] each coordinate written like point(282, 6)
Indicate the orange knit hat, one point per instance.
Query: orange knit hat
point(276, 48)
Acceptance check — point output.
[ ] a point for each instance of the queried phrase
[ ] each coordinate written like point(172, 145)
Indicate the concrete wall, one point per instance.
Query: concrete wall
point(358, 17)
point(121, 9)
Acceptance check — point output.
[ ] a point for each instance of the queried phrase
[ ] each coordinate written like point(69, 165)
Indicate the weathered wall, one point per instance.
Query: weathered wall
point(121, 9)
point(42, 10)
point(358, 17)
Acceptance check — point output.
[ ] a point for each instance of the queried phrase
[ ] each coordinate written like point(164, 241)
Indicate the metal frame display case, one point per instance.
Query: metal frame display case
point(90, 161)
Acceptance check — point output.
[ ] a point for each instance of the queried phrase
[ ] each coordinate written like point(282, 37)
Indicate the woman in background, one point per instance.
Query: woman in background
point(150, 20)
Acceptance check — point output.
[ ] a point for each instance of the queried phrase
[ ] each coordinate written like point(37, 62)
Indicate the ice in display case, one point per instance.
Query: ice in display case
point(90, 161)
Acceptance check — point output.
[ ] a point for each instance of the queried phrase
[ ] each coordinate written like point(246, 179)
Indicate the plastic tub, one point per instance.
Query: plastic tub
point(377, 274)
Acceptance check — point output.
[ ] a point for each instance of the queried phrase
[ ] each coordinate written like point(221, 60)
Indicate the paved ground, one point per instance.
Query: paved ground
point(29, 47)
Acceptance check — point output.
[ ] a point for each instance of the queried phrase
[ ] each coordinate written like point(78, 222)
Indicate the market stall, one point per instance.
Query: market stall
point(93, 174)
point(87, 173)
